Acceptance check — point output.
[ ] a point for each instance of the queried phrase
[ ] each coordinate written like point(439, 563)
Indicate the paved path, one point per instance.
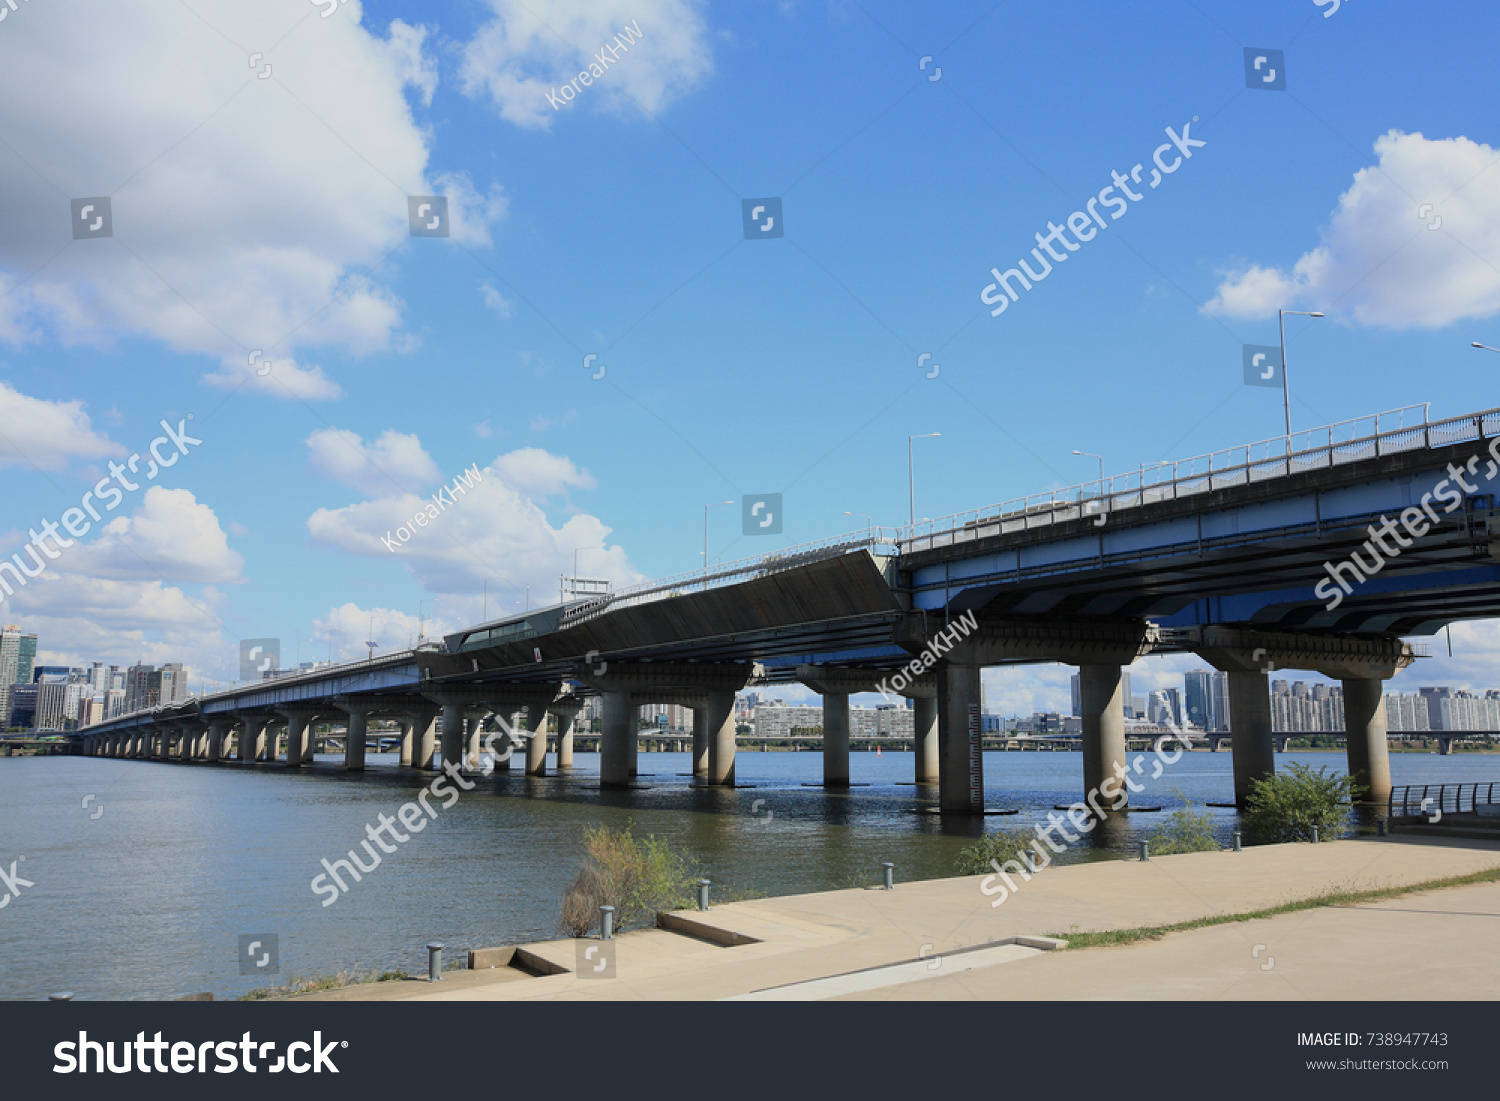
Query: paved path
point(1438, 945)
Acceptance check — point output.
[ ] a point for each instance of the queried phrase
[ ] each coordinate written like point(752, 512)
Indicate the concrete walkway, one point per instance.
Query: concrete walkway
point(1438, 945)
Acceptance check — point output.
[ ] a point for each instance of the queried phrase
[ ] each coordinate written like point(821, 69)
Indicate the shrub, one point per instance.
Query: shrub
point(1287, 806)
point(637, 877)
point(1000, 846)
point(1186, 831)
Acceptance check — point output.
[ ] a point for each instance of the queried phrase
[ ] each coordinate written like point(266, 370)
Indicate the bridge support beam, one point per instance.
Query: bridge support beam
point(925, 738)
point(536, 745)
point(404, 755)
point(252, 739)
point(1250, 722)
point(700, 743)
point(1365, 737)
point(1104, 751)
point(835, 739)
point(721, 739)
point(218, 733)
point(423, 740)
point(298, 735)
point(565, 719)
point(617, 731)
point(960, 706)
point(452, 746)
point(355, 731)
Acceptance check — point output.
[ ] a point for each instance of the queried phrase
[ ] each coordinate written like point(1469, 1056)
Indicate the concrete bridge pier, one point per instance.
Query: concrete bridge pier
point(1250, 720)
point(925, 736)
point(1445, 747)
point(616, 732)
point(1104, 751)
point(567, 714)
point(721, 738)
point(960, 707)
point(252, 745)
point(423, 740)
point(299, 722)
point(1365, 741)
point(404, 752)
point(700, 743)
point(218, 733)
point(355, 731)
point(536, 745)
point(1281, 744)
point(835, 684)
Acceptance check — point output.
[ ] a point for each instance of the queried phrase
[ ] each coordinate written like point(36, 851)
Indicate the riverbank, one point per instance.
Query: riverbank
point(943, 939)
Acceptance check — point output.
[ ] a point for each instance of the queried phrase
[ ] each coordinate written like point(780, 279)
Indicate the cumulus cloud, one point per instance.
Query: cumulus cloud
point(530, 49)
point(247, 213)
point(280, 378)
point(47, 434)
point(494, 531)
point(171, 536)
point(394, 464)
point(1379, 262)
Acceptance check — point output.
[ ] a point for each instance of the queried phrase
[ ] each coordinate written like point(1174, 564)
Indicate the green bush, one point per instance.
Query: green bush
point(637, 877)
point(1187, 831)
point(1000, 846)
point(1287, 806)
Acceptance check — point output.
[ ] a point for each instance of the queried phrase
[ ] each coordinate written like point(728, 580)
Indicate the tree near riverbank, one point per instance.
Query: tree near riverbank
point(1287, 806)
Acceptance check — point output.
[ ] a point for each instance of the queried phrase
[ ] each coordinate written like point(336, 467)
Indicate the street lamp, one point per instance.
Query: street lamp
point(911, 474)
point(372, 642)
point(1286, 387)
point(422, 619)
point(487, 581)
point(871, 533)
point(1091, 455)
point(1486, 347)
point(706, 507)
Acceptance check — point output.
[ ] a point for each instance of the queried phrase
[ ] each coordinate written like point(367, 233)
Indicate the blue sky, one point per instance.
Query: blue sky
point(271, 214)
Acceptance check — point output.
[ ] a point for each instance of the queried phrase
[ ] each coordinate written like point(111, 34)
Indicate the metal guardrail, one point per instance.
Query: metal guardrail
point(1332, 445)
point(1413, 800)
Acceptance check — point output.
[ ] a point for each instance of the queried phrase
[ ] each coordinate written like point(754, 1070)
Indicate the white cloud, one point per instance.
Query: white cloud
point(280, 378)
point(247, 213)
point(496, 301)
point(1379, 263)
point(394, 464)
point(170, 537)
point(46, 434)
point(496, 531)
point(532, 48)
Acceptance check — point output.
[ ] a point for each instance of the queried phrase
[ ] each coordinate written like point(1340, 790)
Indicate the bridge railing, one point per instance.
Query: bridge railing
point(1406, 429)
point(1413, 800)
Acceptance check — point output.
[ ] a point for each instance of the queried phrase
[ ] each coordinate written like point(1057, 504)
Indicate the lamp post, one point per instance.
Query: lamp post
point(911, 474)
point(487, 581)
point(706, 507)
point(1486, 347)
point(870, 533)
point(422, 619)
point(372, 642)
point(1091, 455)
point(1286, 386)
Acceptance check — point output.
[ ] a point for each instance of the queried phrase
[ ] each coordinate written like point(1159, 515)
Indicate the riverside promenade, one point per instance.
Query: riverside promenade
point(941, 939)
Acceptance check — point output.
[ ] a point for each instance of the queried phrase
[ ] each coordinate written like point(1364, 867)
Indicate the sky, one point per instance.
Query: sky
point(599, 338)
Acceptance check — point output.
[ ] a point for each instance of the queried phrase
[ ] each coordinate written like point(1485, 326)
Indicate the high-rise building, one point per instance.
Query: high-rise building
point(173, 681)
point(1221, 701)
point(1198, 699)
point(1129, 700)
point(1078, 697)
point(17, 656)
point(1439, 707)
point(142, 687)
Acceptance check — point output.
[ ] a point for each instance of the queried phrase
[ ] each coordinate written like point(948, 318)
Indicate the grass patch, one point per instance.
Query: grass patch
point(321, 982)
point(1335, 897)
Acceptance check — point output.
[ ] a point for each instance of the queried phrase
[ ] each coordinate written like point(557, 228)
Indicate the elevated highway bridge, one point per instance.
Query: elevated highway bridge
point(1322, 552)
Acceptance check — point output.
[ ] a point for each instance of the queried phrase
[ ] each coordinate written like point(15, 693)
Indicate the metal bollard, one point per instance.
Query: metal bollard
point(606, 923)
point(888, 876)
point(1145, 850)
point(1237, 845)
point(703, 885)
point(64, 996)
point(435, 962)
point(1315, 835)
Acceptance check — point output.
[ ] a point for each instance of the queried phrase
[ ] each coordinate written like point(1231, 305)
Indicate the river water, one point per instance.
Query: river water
point(149, 898)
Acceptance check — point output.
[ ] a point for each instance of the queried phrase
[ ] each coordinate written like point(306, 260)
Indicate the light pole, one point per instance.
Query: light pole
point(1486, 347)
point(706, 507)
point(372, 642)
point(911, 474)
point(422, 619)
point(870, 534)
point(1286, 386)
point(1091, 455)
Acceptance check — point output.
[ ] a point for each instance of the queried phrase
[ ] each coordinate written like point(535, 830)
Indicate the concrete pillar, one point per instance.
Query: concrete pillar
point(565, 719)
point(1104, 752)
point(835, 739)
point(354, 739)
point(536, 745)
point(423, 741)
point(700, 743)
point(218, 730)
point(452, 745)
point(960, 705)
point(634, 745)
point(1250, 724)
point(473, 723)
point(617, 731)
point(925, 724)
point(1365, 738)
point(406, 735)
point(721, 739)
point(297, 738)
point(252, 732)
point(507, 714)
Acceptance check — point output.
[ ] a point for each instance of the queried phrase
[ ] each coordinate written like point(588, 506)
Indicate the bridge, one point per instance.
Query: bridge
point(1249, 558)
